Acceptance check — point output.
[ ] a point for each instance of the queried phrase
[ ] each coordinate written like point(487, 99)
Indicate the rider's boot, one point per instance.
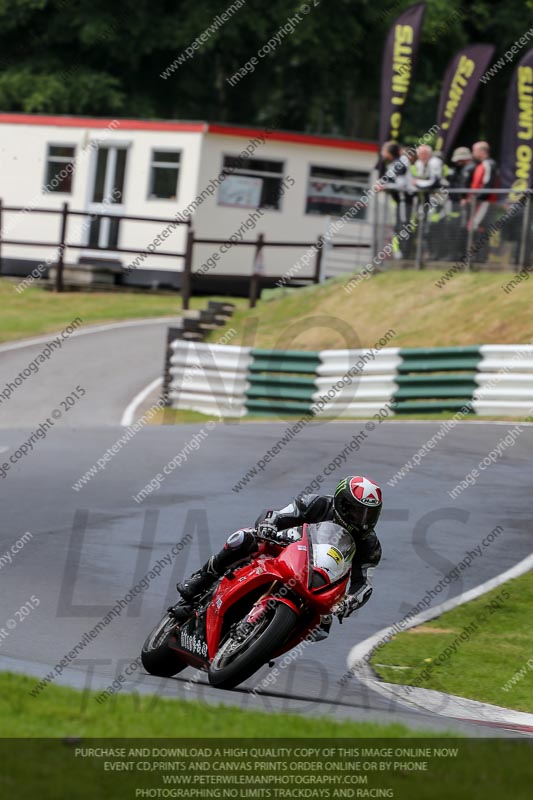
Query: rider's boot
point(199, 582)
point(239, 545)
point(181, 611)
point(192, 588)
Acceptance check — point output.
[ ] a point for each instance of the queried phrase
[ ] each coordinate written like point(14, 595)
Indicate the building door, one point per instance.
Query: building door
point(107, 196)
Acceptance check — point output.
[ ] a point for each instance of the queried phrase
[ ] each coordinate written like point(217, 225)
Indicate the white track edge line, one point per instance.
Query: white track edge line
point(86, 331)
point(129, 412)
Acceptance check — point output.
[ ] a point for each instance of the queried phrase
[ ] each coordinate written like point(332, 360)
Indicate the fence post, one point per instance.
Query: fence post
point(257, 271)
point(524, 239)
point(385, 216)
point(172, 335)
point(319, 256)
point(187, 270)
point(1, 233)
point(62, 245)
point(375, 226)
point(470, 238)
point(420, 233)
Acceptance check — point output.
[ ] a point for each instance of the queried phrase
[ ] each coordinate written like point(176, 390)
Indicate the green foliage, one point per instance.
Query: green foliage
point(90, 56)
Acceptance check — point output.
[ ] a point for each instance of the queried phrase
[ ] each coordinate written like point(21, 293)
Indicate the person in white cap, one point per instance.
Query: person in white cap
point(460, 176)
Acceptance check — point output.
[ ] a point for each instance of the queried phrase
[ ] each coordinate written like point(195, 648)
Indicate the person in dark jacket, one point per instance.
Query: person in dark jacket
point(396, 179)
point(460, 175)
point(355, 506)
point(459, 179)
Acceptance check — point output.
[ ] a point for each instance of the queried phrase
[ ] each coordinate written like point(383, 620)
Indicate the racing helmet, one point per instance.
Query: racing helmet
point(357, 504)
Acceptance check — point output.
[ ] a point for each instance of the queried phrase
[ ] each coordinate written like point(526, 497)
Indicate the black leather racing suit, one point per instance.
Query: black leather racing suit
point(397, 180)
point(307, 508)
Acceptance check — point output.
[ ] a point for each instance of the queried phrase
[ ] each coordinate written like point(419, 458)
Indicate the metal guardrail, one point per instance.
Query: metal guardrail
point(236, 381)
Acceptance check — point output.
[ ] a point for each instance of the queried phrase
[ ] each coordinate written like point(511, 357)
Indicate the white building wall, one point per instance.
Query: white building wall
point(289, 223)
point(141, 234)
point(23, 154)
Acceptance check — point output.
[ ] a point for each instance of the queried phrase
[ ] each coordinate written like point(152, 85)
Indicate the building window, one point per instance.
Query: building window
point(59, 169)
point(332, 191)
point(251, 183)
point(164, 174)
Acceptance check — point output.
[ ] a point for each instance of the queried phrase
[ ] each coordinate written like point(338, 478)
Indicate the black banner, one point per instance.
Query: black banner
point(459, 87)
point(516, 163)
point(399, 59)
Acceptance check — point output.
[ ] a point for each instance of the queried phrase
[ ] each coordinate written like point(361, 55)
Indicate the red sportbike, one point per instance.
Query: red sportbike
point(258, 610)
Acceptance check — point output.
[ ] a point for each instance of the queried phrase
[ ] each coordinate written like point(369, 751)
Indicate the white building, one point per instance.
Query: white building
point(231, 181)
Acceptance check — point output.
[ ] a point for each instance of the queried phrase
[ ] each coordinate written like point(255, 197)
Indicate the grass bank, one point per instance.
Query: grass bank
point(482, 650)
point(472, 308)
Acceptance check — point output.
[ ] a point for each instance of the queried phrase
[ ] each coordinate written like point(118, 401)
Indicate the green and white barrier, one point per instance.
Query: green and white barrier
point(355, 383)
point(281, 381)
point(209, 378)
point(504, 382)
point(235, 381)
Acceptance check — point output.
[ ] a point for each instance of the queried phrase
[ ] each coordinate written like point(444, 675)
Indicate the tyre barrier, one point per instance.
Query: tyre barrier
point(235, 381)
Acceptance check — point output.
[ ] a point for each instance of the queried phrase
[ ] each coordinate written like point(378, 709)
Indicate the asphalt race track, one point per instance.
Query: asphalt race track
point(89, 547)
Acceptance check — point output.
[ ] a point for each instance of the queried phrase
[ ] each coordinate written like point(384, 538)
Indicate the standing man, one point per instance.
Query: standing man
point(427, 172)
point(427, 169)
point(460, 176)
point(460, 179)
point(480, 203)
point(397, 180)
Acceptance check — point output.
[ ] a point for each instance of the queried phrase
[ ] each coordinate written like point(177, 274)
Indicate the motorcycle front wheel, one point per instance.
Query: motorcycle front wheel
point(236, 660)
point(156, 656)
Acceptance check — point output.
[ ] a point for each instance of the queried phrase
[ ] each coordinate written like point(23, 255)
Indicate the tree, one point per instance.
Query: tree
point(322, 74)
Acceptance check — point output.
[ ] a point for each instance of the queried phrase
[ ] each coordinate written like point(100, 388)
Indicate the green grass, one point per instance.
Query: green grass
point(60, 711)
point(471, 309)
point(482, 665)
point(173, 416)
point(37, 311)
point(65, 719)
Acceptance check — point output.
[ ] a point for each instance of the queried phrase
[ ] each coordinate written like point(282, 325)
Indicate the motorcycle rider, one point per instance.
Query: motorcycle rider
point(355, 506)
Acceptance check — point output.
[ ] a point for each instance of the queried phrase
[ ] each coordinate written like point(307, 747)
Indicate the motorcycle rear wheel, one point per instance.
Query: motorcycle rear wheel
point(226, 672)
point(156, 656)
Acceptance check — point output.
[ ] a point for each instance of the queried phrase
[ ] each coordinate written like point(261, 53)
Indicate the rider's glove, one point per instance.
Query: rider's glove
point(346, 607)
point(352, 602)
point(268, 529)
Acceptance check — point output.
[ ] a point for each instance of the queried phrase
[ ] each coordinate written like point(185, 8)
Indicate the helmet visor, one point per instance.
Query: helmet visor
point(357, 517)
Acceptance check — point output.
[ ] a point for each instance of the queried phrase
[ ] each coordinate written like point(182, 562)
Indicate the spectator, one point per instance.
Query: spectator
point(427, 169)
point(484, 177)
point(428, 177)
point(398, 182)
point(460, 176)
point(459, 179)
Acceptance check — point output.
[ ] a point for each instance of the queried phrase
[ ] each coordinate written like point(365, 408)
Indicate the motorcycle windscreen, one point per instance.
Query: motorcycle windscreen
point(332, 549)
